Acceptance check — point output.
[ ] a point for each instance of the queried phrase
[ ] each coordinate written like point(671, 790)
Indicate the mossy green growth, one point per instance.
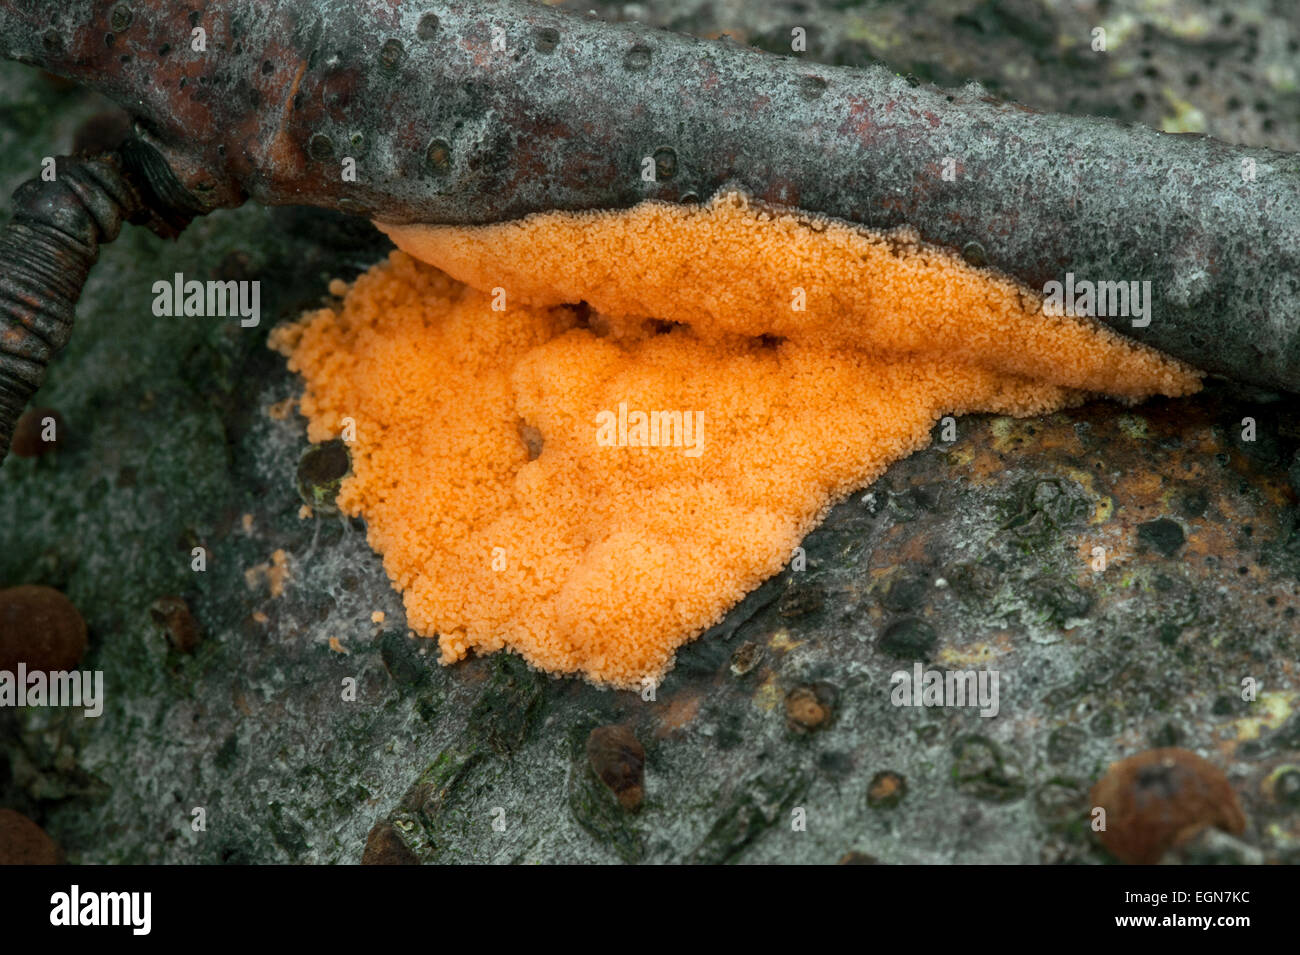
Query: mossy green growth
point(509, 708)
point(754, 806)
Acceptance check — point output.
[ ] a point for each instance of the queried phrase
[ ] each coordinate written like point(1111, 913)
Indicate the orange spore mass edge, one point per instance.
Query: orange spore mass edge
point(601, 557)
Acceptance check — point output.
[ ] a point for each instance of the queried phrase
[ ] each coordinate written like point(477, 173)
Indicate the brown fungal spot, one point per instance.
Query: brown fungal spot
point(41, 628)
point(747, 656)
point(886, 790)
point(617, 758)
point(320, 147)
point(546, 39)
point(665, 160)
point(385, 847)
point(391, 54)
point(812, 87)
point(22, 842)
point(809, 707)
point(321, 470)
point(173, 615)
point(637, 58)
point(38, 431)
point(438, 157)
point(427, 28)
point(1160, 799)
point(801, 602)
point(120, 17)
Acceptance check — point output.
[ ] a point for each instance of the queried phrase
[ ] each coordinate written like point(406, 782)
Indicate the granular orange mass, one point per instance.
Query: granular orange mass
point(594, 487)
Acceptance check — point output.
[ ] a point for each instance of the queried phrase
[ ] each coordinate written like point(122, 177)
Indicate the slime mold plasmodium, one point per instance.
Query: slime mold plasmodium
point(810, 352)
